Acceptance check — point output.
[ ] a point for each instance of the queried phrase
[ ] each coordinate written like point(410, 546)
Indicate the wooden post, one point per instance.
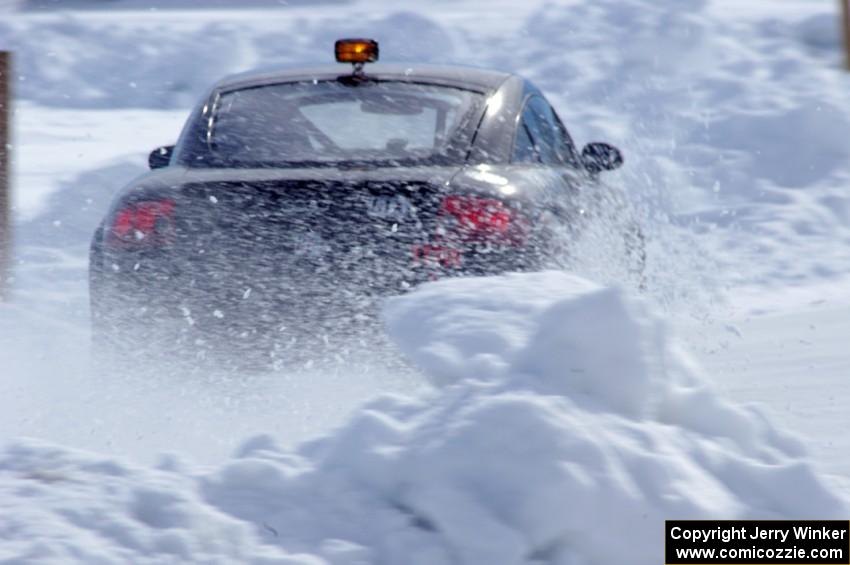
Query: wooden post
point(5, 172)
point(845, 26)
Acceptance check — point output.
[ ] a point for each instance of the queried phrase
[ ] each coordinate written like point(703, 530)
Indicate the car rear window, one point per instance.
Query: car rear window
point(330, 122)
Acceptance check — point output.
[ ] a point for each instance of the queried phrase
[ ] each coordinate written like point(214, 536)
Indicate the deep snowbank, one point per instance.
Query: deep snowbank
point(565, 429)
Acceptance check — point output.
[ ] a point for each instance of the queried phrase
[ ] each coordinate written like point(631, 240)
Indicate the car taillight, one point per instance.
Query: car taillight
point(149, 222)
point(480, 219)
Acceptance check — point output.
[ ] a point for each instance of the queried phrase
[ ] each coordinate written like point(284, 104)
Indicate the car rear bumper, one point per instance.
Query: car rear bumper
point(242, 307)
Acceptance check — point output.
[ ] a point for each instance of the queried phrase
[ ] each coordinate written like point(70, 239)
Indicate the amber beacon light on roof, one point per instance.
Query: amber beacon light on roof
point(357, 52)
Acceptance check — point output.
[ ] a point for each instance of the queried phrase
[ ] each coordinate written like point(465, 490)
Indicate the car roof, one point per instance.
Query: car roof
point(450, 75)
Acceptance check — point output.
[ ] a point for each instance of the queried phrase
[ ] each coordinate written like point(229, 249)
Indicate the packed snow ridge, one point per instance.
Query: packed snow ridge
point(563, 427)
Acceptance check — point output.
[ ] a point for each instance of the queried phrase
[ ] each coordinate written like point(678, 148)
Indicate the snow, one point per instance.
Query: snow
point(546, 407)
point(553, 433)
point(53, 146)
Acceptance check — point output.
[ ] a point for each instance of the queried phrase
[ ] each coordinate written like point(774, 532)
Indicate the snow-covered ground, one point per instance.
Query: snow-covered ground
point(525, 426)
point(559, 417)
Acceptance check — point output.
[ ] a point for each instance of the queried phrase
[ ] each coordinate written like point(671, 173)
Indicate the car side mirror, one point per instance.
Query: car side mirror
point(160, 157)
point(597, 157)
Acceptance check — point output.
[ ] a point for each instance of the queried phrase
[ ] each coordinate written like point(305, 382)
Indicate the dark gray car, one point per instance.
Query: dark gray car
point(293, 200)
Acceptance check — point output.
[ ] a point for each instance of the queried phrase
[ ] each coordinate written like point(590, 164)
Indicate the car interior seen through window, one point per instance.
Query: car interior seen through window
point(549, 141)
point(330, 121)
